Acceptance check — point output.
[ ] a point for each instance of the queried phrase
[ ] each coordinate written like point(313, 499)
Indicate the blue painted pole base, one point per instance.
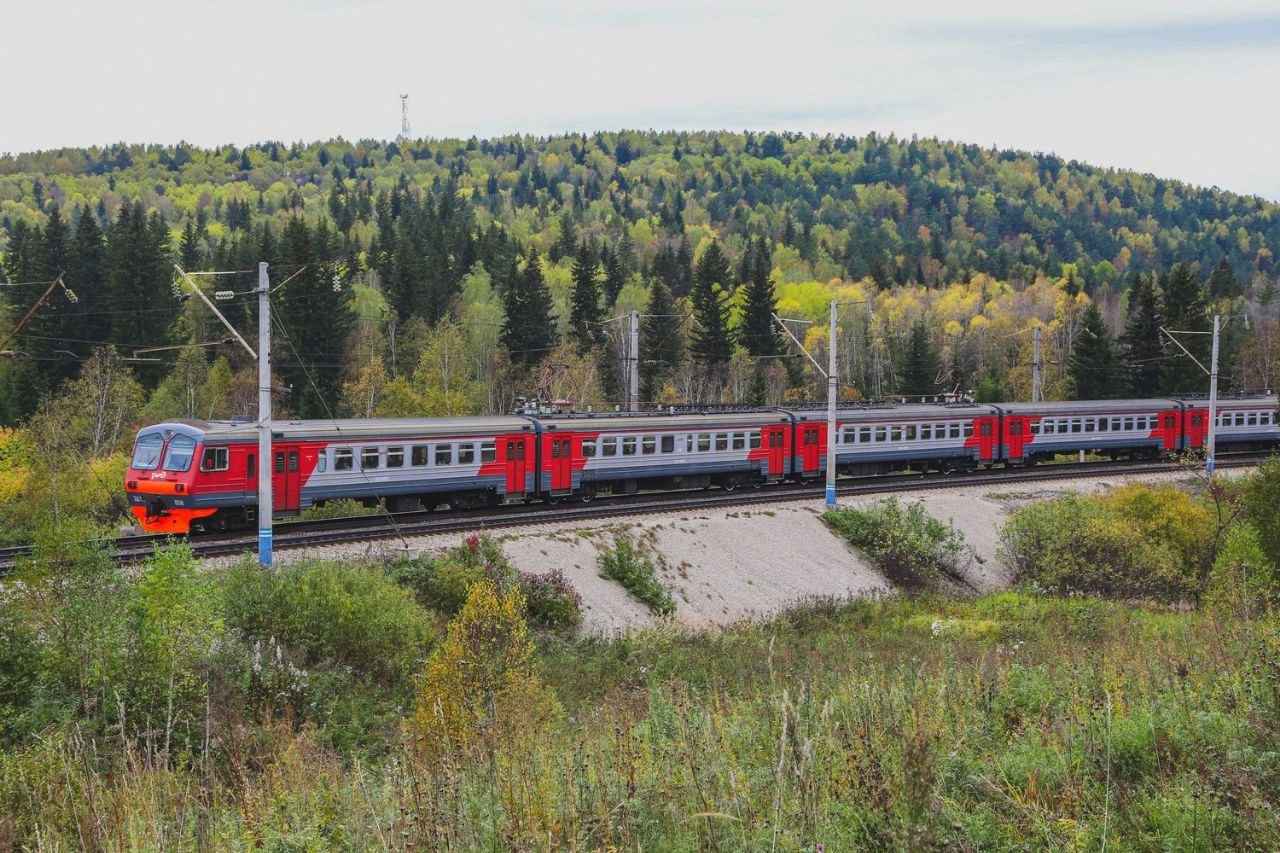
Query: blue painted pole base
point(264, 546)
point(831, 497)
point(1208, 465)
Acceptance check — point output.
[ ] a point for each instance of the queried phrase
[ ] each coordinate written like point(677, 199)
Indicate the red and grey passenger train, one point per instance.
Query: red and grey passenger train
point(199, 475)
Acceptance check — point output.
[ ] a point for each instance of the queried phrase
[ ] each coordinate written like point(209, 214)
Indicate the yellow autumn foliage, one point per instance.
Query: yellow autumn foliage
point(481, 684)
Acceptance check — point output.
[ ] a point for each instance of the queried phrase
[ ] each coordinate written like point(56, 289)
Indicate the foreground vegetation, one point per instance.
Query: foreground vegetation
point(448, 703)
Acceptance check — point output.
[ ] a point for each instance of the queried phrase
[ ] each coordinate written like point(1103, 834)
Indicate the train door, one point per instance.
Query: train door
point(284, 478)
point(513, 451)
point(1196, 429)
point(774, 439)
point(558, 451)
point(810, 449)
point(983, 437)
point(1017, 435)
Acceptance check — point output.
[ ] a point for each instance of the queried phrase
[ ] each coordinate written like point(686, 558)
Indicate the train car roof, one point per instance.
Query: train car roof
point(608, 421)
point(896, 412)
point(351, 429)
point(1235, 401)
point(1069, 407)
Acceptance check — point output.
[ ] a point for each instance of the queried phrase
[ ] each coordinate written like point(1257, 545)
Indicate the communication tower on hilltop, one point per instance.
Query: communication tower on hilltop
point(404, 119)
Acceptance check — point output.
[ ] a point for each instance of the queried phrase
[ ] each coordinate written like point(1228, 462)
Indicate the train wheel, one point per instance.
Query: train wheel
point(730, 484)
point(588, 494)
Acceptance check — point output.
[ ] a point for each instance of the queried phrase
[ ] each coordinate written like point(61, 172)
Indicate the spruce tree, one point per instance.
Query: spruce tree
point(189, 247)
point(921, 363)
point(758, 390)
point(661, 347)
point(585, 314)
point(615, 276)
point(528, 330)
point(712, 341)
point(1222, 281)
point(139, 276)
point(759, 333)
point(1094, 366)
point(86, 265)
point(1142, 349)
point(1185, 311)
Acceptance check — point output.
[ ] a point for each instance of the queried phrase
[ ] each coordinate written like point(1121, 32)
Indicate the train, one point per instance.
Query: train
point(193, 476)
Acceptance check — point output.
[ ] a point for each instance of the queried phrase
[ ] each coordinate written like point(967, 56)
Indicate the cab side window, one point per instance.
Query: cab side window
point(215, 459)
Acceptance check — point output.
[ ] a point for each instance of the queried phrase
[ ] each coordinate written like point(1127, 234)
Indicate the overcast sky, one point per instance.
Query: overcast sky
point(1179, 88)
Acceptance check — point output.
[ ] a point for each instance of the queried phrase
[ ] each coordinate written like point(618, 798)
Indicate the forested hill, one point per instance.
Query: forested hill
point(894, 210)
point(509, 256)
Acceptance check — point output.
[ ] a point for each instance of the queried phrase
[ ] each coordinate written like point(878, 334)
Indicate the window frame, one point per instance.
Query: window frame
point(221, 457)
point(168, 453)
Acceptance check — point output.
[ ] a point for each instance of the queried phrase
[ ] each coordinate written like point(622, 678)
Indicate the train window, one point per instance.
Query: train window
point(755, 439)
point(181, 449)
point(881, 433)
point(1251, 419)
point(895, 433)
point(555, 449)
point(1015, 427)
point(467, 454)
point(608, 446)
point(910, 432)
point(1128, 425)
point(251, 466)
point(1239, 422)
point(629, 445)
point(1090, 425)
point(722, 441)
point(704, 442)
point(395, 457)
point(968, 430)
point(215, 459)
point(864, 435)
point(984, 429)
point(444, 453)
point(369, 459)
point(926, 432)
point(1103, 424)
point(420, 455)
point(776, 439)
point(1035, 427)
point(589, 448)
point(668, 444)
point(322, 461)
point(488, 451)
point(739, 441)
point(519, 450)
point(293, 461)
point(648, 445)
point(146, 453)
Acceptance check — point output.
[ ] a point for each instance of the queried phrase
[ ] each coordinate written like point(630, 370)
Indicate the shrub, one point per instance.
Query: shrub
point(340, 613)
point(1242, 577)
point(337, 509)
point(550, 600)
point(907, 544)
point(442, 584)
point(1091, 545)
point(482, 683)
point(637, 574)
point(1260, 503)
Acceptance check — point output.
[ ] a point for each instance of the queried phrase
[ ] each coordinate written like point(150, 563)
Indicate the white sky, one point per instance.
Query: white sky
point(1179, 88)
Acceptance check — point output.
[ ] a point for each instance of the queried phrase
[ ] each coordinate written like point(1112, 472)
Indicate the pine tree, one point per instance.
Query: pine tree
point(189, 252)
point(585, 314)
point(661, 347)
point(921, 365)
point(1143, 351)
point(759, 334)
point(86, 266)
point(1222, 281)
point(758, 390)
point(139, 275)
point(528, 330)
point(315, 312)
point(712, 340)
point(1094, 366)
point(615, 276)
point(1185, 311)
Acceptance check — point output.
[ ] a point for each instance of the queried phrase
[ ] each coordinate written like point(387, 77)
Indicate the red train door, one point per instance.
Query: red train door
point(558, 451)
point(775, 440)
point(1196, 428)
point(514, 453)
point(811, 447)
point(984, 438)
point(284, 478)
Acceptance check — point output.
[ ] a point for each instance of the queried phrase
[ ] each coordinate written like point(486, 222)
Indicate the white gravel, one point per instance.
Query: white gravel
point(723, 565)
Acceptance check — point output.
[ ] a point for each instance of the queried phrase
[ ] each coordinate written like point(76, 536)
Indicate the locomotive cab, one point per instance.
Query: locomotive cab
point(162, 478)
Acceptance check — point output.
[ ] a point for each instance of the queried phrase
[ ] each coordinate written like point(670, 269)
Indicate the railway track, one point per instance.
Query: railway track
point(303, 534)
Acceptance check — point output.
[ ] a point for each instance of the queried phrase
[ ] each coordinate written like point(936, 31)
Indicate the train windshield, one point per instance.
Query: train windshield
point(181, 449)
point(146, 453)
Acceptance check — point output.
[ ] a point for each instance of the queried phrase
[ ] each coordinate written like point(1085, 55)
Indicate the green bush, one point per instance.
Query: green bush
point(1242, 576)
point(336, 613)
point(441, 584)
point(906, 543)
point(1260, 505)
point(337, 509)
point(638, 575)
point(1120, 546)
